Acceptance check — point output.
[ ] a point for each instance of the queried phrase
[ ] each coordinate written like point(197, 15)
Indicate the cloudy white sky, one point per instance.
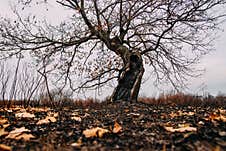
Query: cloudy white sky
point(212, 81)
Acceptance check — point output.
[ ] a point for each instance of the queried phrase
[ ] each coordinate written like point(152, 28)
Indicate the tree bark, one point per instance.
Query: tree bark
point(129, 79)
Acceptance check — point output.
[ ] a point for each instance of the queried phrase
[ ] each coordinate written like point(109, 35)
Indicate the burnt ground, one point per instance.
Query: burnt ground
point(129, 126)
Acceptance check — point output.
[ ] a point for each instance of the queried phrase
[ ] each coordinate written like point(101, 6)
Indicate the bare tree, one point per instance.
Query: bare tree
point(28, 83)
point(104, 40)
point(4, 79)
point(13, 90)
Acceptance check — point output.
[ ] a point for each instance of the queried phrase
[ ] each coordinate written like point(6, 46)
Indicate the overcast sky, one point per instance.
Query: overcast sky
point(212, 81)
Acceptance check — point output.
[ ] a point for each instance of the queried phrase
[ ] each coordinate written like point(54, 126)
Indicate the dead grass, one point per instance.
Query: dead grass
point(186, 99)
point(164, 99)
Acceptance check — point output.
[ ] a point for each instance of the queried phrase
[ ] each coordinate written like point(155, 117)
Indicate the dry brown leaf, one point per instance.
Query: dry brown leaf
point(51, 117)
point(133, 114)
point(3, 132)
point(126, 110)
point(95, 132)
point(4, 147)
point(190, 113)
point(181, 129)
point(76, 118)
point(222, 111)
point(24, 136)
point(117, 128)
point(180, 113)
point(222, 133)
point(17, 108)
point(78, 143)
point(9, 110)
point(201, 123)
point(52, 114)
point(47, 120)
point(3, 124)
point(223, 118)
point(18, 131)
point(45, 109)
point(3, 120)
point(86, 115)
point(217, 117)
point(24, 115)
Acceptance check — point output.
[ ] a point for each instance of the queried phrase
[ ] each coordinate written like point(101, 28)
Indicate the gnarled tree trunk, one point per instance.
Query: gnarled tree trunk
point(129, 79)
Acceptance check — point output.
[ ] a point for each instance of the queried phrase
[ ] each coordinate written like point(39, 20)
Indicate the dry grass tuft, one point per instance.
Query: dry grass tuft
point(186, 99)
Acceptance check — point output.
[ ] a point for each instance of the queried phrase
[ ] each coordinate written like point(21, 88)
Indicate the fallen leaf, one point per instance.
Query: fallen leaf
point(76, 118)
point(52, 114)
point(180, 113)
point(117, 128)
point(5, 147)
point(3, 121)
point(86, 115)
point(9, 110)
point(47, 120)
point(164, 147)
point(95, 132)
point(223, 118)
point(126, 110)
point(222, 133)
point(38, 109)
point(12, 135)
point(17, 108)
point(18, 131)
point(78, 143)
point(3, 132)
point(201, 123)
point(181, 129)
point(24, 136)
point(217, 117)
point(222, 111)
point(190, 113)
point(133, 114)
point(217, 148)
point(24, 115)
point(75, 113)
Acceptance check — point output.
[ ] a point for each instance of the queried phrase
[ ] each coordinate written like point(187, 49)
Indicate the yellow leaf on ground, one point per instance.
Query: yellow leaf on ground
point(24, 115)
point(5, 147)
point(117, 128)
point(95, 132)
